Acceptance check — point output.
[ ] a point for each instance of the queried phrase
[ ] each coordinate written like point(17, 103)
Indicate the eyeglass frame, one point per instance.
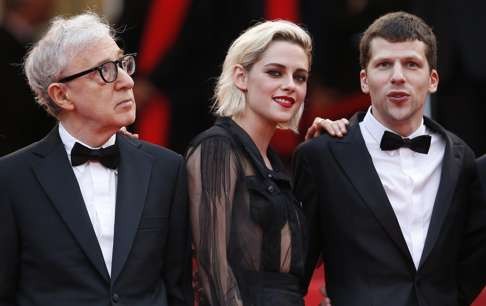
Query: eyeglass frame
point(118, 63)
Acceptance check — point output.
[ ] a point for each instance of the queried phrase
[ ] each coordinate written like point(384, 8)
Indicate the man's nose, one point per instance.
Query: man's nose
point(124, 80)
point(397, 74)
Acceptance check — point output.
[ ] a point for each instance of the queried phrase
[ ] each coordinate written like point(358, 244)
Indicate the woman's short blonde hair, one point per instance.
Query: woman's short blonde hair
point(246, 50)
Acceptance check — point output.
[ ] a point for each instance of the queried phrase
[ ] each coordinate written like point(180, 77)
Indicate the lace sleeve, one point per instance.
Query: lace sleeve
point(212, 174)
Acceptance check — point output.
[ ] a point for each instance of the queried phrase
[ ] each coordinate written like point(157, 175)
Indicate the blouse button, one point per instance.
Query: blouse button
point(269, 175)
point(270, 188)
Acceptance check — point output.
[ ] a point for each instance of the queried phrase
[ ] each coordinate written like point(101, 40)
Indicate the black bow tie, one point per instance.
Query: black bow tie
point(108, 157)
point(391, 141)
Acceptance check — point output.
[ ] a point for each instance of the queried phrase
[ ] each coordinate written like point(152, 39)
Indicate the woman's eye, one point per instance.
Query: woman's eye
point(301, 78)
point(274, 73)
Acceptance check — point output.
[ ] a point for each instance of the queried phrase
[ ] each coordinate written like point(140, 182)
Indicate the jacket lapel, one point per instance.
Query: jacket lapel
point(56, 176)
point(451, 167)
point(352, 155)
point(134, 174)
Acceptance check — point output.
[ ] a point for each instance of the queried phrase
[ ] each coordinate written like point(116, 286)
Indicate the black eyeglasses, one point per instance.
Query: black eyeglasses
point(109, 70)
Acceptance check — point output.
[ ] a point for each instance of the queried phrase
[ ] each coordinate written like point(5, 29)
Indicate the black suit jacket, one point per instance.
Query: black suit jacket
point(49, 252)
point(481, 162)
point(353, 227)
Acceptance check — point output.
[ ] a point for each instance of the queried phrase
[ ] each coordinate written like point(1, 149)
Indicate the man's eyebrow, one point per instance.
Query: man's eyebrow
point(120, 53)
point(391, 57)
point(412, 57)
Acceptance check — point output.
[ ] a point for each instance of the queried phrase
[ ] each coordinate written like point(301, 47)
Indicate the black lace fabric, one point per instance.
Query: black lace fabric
point(246, 223)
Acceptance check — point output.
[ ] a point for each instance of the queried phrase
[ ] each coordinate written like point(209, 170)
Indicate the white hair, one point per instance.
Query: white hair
point(246, 50)
point(64, 40)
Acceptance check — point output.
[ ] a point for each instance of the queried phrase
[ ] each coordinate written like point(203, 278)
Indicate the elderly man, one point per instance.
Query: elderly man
point(89, 216)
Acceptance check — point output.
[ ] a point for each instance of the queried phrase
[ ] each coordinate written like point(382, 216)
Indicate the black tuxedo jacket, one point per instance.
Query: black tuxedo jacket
point(49, 252)
point(353, 227)
point(481, 164)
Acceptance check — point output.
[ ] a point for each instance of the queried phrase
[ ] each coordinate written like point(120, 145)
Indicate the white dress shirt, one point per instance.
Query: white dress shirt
point(98, 188)
point(410, 180)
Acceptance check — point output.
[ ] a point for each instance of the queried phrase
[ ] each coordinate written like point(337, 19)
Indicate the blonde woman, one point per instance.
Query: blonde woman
point(247, 226)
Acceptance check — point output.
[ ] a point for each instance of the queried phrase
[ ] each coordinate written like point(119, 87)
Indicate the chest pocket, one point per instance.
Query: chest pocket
point(272, 206)
point(267, 203)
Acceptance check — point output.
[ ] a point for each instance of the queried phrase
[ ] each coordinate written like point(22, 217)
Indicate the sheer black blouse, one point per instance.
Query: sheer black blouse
point(244, 218)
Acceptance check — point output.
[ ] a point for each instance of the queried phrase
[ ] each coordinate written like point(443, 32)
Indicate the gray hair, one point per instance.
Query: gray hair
point(64, 40)
point(246, 50)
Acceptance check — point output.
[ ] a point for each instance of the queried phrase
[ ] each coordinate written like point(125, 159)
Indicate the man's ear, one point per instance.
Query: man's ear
point(240, 77)
point(434, 81)
point(58, 92)
point(363, 77)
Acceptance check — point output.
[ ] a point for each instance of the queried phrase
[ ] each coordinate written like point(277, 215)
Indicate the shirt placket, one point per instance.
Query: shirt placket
point(413, 218)
point(104, 210)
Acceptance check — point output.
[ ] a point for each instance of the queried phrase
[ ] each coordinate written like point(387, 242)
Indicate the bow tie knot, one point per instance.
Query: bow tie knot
point(391, 141)
point(108, 157)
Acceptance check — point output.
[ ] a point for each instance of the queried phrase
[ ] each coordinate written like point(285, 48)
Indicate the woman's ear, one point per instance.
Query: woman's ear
point(58, 93)
point(240, 77)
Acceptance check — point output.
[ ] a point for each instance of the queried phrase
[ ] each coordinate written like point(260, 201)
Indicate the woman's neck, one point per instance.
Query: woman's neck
point(259, 130)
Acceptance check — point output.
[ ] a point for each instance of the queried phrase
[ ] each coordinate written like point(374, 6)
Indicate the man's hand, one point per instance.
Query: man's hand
point(336, 128)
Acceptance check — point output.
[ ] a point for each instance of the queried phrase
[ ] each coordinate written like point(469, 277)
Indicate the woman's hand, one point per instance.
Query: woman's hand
point(124, 131)
point(336, 128)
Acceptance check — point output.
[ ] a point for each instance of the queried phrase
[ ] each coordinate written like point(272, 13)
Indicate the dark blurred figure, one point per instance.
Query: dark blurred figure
point(460, 103)
point(195, 36)
point(22, 121)
point(174, 80)
point(336, 26)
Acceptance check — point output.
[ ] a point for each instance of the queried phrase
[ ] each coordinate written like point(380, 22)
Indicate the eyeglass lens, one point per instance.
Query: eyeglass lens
point(109, 70)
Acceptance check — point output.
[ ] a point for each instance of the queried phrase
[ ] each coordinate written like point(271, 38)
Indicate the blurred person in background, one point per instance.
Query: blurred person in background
point(22, 121)
point(460, 105)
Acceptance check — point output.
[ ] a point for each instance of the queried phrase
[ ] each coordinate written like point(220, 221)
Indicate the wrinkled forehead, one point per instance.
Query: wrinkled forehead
point(382, 48)
point(94, 52)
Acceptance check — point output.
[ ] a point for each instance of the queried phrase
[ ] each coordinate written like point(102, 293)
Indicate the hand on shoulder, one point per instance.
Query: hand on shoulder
point(337, 128)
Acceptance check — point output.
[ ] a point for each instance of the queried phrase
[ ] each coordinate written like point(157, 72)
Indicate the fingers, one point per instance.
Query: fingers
point(342, 125)
point(124, 131)
point(326, 301)
point(314, 129)
point(312, 132)
point(333, 128)
point(336, 128)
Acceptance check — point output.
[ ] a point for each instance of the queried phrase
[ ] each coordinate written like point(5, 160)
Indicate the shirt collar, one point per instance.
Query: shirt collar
point(68, 140)
point(247, 145)
point(376, 129)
